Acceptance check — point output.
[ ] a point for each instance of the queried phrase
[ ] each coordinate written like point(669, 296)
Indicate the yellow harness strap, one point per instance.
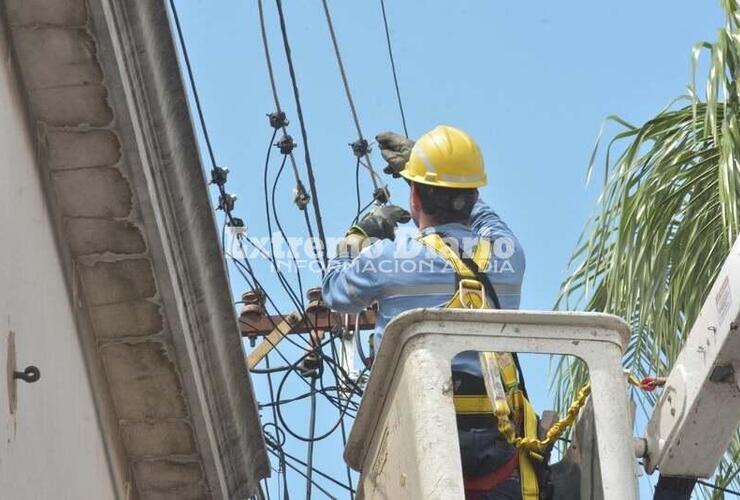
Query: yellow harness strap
point(471, 294)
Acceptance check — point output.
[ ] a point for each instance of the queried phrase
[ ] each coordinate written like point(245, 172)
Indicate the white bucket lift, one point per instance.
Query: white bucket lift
point(404, 440)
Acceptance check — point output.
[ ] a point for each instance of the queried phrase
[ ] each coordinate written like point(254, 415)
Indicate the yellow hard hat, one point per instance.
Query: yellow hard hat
point(446, 157)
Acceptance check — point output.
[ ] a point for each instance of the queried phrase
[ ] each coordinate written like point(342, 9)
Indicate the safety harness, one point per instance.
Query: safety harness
point(472, 292)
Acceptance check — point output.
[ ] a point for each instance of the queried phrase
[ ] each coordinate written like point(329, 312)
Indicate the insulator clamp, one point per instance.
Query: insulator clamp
point(219, 176)
point(382, 195)
point(301, 196)
point(286, 144)
point(278, 119)
point(360, 147)
point(309, 366)
point(226, 202)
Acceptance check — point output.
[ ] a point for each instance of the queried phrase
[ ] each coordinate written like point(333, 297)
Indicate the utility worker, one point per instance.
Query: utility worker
point(459, 238)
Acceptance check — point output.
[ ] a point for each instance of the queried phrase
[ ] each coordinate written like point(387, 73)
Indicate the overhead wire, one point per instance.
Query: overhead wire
point(293, 467)
point(393, 67)
point(311, 437)
point(304, 134)
point(223, 196)
point(244, 268)
point(317, 471)
point(296, 298)
point(281, 469)
point(342, 426)
point(282, 232)
point(300, 188)
point(273, 83)
point(718, 488)
point(366, 154)
point(297, 436)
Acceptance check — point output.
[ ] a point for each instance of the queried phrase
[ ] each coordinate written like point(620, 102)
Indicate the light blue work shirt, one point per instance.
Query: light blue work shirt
point(405, 274)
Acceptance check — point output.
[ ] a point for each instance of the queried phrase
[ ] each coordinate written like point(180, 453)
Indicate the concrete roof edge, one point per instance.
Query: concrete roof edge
point(138, 36)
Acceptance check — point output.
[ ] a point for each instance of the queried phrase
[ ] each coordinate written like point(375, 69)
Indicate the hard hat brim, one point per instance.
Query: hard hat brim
point(459, 183)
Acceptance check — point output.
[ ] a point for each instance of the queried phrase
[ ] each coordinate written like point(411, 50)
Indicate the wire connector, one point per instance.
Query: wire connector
point(382, 195)
point(360, 147)
point(309, 366)
point(226, 202)
point(219, 176)
point(286, 144)
point(278, 119)
point(301, 196)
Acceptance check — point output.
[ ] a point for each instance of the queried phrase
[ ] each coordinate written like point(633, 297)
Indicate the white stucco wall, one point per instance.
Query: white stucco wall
point(52, 448)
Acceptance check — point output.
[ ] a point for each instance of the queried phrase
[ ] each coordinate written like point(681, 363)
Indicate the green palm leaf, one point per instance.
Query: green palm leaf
point(667, 216)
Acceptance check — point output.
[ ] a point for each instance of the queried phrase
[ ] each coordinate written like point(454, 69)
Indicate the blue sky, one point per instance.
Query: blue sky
point(531, 81)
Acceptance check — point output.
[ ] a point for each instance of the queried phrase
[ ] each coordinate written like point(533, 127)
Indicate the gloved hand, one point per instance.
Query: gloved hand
point(381, 223)
point(395, 150)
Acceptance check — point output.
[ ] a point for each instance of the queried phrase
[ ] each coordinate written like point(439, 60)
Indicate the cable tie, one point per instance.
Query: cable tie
point(226, 202)
point(286, 144)
point(301, 196)
point(278, 119)
point(219, 176)
point(382, 195)
point(360, 147)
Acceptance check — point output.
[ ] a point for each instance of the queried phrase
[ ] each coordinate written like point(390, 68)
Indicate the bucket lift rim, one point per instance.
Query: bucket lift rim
point(408, 326)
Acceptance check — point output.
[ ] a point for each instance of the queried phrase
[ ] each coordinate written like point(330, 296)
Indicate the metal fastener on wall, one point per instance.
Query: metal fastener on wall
point(31, 374)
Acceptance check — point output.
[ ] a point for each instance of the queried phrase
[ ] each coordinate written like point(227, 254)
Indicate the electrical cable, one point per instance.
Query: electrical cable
point(281, 468)
point(297, 300)
point(273, 86)
point(718, 488)
point(393, 67)
point(311, 434)
point(357, 188)
point(373, 174)
point(304, 135)
point(226, 203)
point(196, 97)
point(245, 267)
point(206, 135)
point(265, 371)
point(317, 471)
point(342, 427)
point(296, 435)
point(297, 398)
point(282, 233)
point(293, 368)
point(358, 342)
point(303, 474)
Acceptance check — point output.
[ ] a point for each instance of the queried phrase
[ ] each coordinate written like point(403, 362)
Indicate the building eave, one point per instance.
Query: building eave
point(117, 146)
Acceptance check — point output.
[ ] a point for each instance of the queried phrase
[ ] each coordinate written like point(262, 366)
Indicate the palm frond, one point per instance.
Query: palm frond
point(667, 217)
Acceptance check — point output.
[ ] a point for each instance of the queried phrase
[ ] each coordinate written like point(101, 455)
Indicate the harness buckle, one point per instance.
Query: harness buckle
point(468, 287)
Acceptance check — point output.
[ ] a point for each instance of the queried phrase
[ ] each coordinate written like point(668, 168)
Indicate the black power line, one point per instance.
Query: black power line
point(393, 68)
point(364, 151)
point(226, 203)
point(304, 135)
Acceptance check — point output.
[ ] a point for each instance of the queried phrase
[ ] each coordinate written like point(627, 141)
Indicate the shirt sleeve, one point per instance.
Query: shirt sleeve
point(486, 222)
point(351, 285)
point(508, 251)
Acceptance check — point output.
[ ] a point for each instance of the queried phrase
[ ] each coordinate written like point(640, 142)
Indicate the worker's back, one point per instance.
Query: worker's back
point(404, 274)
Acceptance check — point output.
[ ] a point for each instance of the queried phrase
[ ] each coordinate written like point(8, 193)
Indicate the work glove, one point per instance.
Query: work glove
point(381, 223)
point(395, 149)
